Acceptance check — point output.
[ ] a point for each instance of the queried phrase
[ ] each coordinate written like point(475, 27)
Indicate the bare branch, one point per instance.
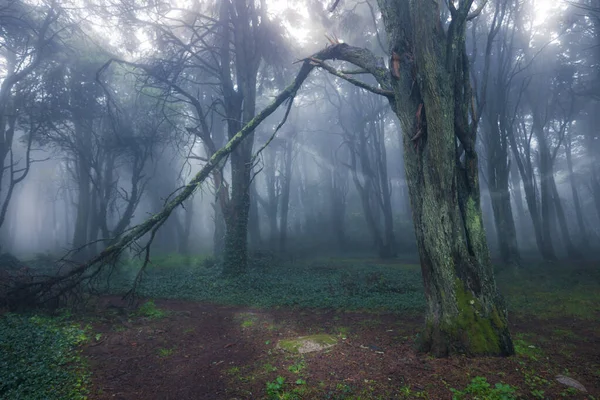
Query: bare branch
point(356, 82)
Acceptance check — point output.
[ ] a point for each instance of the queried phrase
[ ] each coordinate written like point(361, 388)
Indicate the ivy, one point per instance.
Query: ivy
point(39, 359)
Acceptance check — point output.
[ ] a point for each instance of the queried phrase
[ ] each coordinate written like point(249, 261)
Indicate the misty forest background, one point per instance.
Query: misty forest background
point(420, 154)
point(88, 154)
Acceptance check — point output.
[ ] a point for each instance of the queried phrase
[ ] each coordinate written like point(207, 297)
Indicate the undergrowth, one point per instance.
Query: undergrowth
point(39, 359)
point(547, 290)
point(540, 290)
point(342, 284)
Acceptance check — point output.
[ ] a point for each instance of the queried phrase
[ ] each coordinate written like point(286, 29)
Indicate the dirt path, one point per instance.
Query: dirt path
point(203, 351)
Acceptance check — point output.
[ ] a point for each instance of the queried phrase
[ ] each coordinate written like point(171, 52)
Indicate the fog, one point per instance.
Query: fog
point(283, 168)
point(337, 161)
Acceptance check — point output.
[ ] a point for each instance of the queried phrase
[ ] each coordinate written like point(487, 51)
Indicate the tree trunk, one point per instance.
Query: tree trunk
point(572, 252)
point(595, 184)
point(526, 170)
point(219, 233)
point(518, 198)
point(236, 217)
point(546, 175)
point(254, 220)
point(389, 250)
point(80, 234)
point(498, 173)
point(285, 193)
point(464, 313)
point(240, 107)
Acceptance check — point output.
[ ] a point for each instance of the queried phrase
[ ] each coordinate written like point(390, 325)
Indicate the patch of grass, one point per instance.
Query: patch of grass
point(408, 393)
point(294, 345)
point(268, 368)
point(278, 389)
point(39, 359)
point(150, 310)
point(247, 323)
point(479, 388)
point(233, 371)
point(297, 367)
point(535, 383)
point(343, 331)
point(247, 320)
point(526, 349)
point(164, 352)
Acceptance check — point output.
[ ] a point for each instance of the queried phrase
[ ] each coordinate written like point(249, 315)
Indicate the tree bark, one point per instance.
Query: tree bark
point(240, 106)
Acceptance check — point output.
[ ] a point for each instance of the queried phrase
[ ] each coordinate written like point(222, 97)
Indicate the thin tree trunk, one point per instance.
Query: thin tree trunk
point(82, 219)
point(285, 193)
point(219, 232)
point(389, 251)
point(498, 174)
point(572, 251)
point(253, 219)
point(518, 198)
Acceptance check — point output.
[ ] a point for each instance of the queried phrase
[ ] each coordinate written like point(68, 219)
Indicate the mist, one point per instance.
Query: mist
point(403, 157)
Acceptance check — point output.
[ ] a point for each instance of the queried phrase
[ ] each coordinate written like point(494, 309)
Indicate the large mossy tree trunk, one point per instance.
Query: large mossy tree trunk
point(432, 98)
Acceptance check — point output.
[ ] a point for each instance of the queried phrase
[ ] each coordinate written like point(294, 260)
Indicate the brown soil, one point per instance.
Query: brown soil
point(204, 351)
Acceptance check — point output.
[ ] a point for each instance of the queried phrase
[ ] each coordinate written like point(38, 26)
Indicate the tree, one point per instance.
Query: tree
point(432, 98)
point(28, 34)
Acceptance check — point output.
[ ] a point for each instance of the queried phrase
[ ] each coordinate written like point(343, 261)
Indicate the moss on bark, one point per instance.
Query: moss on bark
point(475, 329)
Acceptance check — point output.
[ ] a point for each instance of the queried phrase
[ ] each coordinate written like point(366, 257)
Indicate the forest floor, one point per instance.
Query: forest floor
point(187, 350)
point(184, 349)
point(208, 337)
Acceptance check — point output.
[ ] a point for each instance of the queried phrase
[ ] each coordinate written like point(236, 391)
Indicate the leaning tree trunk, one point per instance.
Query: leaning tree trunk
point(432, 100)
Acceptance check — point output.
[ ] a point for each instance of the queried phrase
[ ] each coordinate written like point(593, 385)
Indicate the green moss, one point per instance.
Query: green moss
point(472, 331)
point(296, 345)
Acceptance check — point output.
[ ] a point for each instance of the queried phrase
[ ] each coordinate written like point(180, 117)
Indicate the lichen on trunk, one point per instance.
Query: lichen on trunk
point(432, 99)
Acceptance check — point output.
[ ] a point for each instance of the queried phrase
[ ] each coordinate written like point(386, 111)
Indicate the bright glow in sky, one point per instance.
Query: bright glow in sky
point(543, 8)
point(277, 7)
